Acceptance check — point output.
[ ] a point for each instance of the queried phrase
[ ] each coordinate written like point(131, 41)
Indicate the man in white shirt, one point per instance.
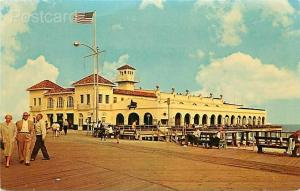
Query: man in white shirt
point(25, 130)
point(41, 132)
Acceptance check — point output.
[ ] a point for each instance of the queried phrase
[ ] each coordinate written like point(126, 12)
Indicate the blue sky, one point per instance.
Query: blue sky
point(246, 50)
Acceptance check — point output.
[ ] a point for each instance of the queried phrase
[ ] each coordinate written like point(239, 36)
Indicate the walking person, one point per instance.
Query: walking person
point(8, 133)
point(66, 124)
point(117, 132)
point(25, 132)
point(41, 133)
point(55, 129)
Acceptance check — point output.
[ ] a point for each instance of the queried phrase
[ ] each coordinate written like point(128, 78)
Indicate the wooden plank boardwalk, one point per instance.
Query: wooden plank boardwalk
point(80, 162)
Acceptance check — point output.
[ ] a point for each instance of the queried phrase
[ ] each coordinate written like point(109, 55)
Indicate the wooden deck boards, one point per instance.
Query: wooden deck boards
point(83, 162)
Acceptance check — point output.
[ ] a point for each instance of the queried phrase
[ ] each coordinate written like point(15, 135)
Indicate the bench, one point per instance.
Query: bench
point(128, 133)
point(208, 139)
point(274, 142)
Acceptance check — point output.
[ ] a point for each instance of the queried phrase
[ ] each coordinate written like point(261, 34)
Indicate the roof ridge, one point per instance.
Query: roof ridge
point(88, 80)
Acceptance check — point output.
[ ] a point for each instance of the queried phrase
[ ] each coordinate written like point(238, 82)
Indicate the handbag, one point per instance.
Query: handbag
point(2, 145)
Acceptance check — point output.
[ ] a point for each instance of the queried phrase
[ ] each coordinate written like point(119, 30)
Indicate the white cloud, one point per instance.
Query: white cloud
point(13, 23)
point(198, 55)
point(292, 33)
point(157, 3)
point(280, 11)
point(246, 79)
point(230, 20)
point(110, 68)
point(232, 26)
point(117, 27)
point(14, 98)
point(15, 81)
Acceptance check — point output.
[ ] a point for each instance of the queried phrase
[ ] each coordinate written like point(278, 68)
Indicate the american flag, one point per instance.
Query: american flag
point(84, 18)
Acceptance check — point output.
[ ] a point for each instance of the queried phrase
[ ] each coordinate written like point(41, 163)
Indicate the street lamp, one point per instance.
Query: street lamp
point(96, 63)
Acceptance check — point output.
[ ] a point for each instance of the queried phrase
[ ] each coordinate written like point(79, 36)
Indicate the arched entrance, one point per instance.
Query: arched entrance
point(249, 120)
point(219, 119)
point(254, 120)
point(196, 119)
point(226, 120)
point(239, 120)
point(204, 119)
point(133, 117)
point(177, 119)
point(120, 119)
point(212, 119)
point(148, 119)
point(187, 119)
point(232, 120)
point(259, 121)
point(244, 120)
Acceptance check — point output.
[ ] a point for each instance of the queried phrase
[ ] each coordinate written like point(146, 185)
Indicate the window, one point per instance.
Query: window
point(70, 102)
point(60, 102)
point(50, 102)
point(122, 99)
point(81, 99)
point(115, 99)
point(40, 101)
point(124, 72)
point(34, 101)
point(100, 98)
point(106, 98)
point(88, 99)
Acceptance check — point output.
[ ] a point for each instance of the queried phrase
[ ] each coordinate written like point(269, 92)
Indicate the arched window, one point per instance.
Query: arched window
point(50, 102)
point(148, 119)
point(70, 102)
point(204, 119)
point(177, 119)
point(60, 102)
point(196, 119)
point(219, 119)
point(133, 117)
point(187, 119)
point(120, 119)
point(212, 120)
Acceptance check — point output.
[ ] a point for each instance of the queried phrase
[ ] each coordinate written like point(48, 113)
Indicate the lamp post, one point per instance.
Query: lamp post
point(96, 52)
point(168, 102)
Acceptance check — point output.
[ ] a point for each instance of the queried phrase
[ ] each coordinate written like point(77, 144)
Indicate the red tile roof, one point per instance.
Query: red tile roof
point(134, 93)
point(126, 66)
point(44, 85)
point(90, 80)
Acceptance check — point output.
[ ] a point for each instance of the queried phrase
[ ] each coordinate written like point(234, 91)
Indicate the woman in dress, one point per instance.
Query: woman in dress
point(8, 136)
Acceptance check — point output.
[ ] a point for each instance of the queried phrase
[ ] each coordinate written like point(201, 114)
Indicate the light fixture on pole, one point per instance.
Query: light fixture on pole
point(96, 52)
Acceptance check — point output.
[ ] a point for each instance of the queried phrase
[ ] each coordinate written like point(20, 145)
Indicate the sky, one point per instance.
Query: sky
point(247, 51)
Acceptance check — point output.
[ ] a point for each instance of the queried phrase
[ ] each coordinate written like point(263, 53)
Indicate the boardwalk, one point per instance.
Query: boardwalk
point(82, 162)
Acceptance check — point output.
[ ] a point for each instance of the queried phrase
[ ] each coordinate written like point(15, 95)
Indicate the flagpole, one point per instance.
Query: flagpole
point(96, 63)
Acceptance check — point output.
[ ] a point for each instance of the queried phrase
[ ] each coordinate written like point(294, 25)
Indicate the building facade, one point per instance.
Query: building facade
point(120, 103)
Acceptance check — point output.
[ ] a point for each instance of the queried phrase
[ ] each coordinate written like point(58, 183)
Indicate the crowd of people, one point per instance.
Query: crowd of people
point(30, 138)
point(104, 131)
